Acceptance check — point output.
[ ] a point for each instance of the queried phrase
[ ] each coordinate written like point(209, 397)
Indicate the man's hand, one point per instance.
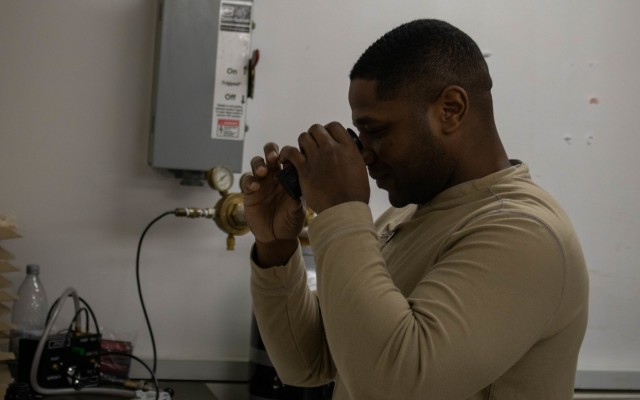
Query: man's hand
point(330, 168)
point(274, 217)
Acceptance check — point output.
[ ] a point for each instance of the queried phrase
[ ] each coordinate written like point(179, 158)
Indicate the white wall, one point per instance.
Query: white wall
point(75, 87)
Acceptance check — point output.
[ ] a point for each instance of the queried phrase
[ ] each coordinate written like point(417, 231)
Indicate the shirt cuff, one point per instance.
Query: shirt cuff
point(277, 279)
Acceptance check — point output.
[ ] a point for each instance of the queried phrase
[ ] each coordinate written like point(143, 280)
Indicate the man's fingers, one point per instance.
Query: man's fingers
point(291, 155)
point(271, 154)
point(248, 183)
point(258, 166)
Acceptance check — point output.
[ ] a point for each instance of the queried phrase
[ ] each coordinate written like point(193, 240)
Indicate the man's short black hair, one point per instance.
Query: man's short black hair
point(420, 58)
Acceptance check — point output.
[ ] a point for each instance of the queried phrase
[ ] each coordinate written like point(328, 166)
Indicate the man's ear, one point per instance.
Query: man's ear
point(451, 107)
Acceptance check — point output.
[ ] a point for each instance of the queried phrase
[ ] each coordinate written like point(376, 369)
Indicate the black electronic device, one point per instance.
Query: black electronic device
point(288, 177)
point(70, 360)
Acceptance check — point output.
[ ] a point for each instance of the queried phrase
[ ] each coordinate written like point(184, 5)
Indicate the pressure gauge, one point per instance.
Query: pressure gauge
point(220, 178)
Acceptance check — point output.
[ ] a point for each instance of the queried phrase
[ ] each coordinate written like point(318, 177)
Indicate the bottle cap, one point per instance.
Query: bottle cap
point(33, 269)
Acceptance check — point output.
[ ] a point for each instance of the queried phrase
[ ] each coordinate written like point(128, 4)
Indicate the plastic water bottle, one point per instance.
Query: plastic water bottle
point(29, 311)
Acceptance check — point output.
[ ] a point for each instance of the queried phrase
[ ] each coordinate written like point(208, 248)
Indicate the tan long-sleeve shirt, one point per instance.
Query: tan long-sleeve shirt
point(480, 294)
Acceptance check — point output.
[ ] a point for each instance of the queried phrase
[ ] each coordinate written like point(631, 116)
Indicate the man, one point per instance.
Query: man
point(471, 286)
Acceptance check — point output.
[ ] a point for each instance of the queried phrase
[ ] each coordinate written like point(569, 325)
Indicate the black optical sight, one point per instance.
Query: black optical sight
point(288, 177)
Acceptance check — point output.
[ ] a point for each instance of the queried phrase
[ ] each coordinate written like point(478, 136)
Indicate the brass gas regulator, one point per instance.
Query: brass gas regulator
point(229, 210)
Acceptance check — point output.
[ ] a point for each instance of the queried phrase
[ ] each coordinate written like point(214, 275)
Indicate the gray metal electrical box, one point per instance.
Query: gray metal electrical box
point(201, 84)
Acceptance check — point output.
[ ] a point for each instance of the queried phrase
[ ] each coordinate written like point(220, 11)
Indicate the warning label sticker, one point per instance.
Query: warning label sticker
point(228, 128)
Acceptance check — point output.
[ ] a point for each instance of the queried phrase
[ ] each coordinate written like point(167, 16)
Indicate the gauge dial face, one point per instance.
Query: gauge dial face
point(220, 178)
